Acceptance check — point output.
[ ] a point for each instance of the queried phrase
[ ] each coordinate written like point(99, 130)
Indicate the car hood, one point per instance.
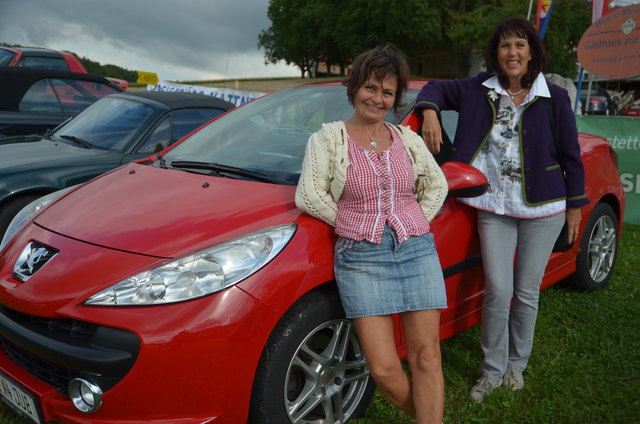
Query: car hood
point(165, 212)
point(46, 151)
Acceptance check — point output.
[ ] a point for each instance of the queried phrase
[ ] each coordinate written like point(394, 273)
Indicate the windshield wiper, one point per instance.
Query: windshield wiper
point(78, 141)
point(221, 170)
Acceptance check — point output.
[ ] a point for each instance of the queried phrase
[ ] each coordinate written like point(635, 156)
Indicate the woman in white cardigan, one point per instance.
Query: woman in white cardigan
point(379, 186)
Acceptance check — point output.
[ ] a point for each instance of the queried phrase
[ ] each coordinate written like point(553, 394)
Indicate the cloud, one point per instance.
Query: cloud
point(180, 40)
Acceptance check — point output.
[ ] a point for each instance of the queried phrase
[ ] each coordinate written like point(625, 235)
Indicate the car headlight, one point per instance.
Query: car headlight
point(28, 212)
point(199, 274)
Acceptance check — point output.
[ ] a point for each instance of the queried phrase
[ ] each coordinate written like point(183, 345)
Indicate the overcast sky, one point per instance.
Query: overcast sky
point(177, 39)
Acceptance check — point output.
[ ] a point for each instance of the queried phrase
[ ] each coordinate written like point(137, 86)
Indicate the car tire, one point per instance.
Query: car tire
point(598, 250)
point(11, 208)
point(312, 369)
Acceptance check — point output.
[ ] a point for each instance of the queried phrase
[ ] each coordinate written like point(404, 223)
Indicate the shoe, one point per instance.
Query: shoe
point(513, 379)
point(483, 388)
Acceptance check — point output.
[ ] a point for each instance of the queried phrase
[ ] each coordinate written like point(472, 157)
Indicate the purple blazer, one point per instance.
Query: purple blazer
point(541, 167)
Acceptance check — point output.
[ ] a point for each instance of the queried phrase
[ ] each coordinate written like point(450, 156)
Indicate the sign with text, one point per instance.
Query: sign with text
point(236, 97)
point(610, 48)
point(147, 77)
point(623, 134)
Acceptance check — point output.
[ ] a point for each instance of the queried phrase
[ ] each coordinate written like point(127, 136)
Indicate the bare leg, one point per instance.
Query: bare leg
point(376, 336)
point(422, 333)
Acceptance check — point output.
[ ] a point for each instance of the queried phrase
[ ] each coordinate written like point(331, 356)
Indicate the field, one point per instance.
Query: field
point(585, 367)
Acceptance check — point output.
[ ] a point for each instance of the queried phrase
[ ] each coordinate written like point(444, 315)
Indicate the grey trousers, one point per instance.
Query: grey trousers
point(510, 303)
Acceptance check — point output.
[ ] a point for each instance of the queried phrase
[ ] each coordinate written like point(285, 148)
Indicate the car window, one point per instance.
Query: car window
point(112, 123)
point(40, 98)
point(75, 96)
point(187, 120)
point(44, 63)
point(6, 56)
point(270, 134)
point(158, 140)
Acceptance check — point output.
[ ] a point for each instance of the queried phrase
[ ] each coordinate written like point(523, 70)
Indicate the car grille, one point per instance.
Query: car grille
point(18, 331)
point(54, 375)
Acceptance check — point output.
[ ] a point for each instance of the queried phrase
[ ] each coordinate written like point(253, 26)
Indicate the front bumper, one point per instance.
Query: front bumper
point(185, 363)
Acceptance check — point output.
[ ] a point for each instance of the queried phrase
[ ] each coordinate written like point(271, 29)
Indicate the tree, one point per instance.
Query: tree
point(569, 20)
point(294, 33)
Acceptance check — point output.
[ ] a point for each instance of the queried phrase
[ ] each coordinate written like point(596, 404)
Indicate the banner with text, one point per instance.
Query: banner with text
point(236, 97)
point(623, 133)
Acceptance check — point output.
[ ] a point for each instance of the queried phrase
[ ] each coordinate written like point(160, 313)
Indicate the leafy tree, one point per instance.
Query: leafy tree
point(569, 20)
point(305, 31)
point(294, 33)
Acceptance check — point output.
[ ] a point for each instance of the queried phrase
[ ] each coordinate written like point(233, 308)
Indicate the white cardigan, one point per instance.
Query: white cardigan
point(324, 172)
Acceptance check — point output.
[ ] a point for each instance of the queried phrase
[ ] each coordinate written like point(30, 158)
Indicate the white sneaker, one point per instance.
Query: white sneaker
point(483, 388)
point(513, 379)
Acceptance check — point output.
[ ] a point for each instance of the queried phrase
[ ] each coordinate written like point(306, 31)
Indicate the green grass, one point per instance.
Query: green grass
point(585, 367)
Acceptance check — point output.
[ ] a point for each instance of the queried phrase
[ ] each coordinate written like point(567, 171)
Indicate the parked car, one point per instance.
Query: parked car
point(34, 100)
point(633, 110)
point(600, 103)
point(37, 57)
point(113, 131)
point(187, 287)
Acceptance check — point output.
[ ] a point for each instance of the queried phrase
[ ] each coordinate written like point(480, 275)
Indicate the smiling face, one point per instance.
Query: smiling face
point(514, 55)
point(375, 98)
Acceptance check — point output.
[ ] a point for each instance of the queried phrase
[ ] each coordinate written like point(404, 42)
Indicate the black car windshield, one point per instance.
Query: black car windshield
point(111, 123)
point(269, 135)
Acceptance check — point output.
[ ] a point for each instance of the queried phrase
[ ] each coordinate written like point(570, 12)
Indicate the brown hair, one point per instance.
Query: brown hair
point(382, 62)
point(519, 27)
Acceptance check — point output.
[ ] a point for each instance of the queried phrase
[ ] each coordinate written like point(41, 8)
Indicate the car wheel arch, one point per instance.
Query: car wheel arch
point(263, 398)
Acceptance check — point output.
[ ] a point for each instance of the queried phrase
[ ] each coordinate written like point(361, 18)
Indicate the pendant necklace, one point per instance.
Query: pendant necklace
point(512, 95)
point(373, 144)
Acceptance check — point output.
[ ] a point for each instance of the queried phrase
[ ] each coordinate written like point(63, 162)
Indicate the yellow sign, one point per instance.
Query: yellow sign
point(147, 78)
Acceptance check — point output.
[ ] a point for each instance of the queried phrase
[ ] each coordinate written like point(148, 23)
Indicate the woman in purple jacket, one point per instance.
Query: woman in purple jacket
point(520, 131)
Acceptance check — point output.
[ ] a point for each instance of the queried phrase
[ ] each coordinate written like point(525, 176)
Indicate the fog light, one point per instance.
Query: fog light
point(86, 396)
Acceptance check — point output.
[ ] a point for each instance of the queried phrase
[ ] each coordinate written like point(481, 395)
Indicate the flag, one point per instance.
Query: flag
point(600, 8)
point(543, 14)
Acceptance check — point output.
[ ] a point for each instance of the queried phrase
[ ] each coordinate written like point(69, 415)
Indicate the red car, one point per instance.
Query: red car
point(187, 288)
point(633, 110)
point(36, 57)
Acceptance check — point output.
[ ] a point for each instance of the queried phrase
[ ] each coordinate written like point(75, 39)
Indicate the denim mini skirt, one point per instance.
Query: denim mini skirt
point(389, 277)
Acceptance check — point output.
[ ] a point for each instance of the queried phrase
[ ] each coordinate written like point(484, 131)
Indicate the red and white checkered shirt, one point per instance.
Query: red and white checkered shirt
point(379, 190)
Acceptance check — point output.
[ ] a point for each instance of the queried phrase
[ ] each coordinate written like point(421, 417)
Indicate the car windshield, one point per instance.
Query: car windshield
point(111, 123)
point(269, 135)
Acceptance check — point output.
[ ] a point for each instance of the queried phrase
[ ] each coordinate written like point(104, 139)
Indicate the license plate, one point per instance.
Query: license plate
point(19, 398)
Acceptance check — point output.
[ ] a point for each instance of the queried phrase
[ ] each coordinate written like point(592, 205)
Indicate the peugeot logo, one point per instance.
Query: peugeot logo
point(33, 257)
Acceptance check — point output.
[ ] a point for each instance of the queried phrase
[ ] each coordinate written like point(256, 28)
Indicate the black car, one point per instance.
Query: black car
point(115, 130)
point(34, 100)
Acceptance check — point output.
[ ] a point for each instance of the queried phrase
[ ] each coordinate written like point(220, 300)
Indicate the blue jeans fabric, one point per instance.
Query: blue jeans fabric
point(510, 305)
point(390, 277)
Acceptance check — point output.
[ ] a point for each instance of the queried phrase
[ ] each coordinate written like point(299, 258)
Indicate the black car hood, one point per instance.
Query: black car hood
point(46, 151)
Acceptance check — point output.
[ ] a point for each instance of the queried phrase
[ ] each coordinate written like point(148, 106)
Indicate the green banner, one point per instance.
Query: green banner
point(623, 133)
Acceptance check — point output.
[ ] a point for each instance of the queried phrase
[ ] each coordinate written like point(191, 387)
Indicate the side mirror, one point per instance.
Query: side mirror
point(464, 180)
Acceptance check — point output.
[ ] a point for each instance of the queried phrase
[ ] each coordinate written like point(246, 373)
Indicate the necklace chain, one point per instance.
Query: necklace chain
point(512, 95)
point(373, 144)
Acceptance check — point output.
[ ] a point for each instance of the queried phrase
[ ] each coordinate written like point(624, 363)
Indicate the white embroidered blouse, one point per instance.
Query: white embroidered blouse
point(499, 159)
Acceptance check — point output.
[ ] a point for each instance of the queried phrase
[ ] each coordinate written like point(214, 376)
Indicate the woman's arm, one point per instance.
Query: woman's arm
point(313, 192)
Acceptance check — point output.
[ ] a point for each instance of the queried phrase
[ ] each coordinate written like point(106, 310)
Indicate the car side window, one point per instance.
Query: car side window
point(158, 140)
point(187, 120)
point(76, 95)
point(44, 63)
point(6, 56)
point(40, 98)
